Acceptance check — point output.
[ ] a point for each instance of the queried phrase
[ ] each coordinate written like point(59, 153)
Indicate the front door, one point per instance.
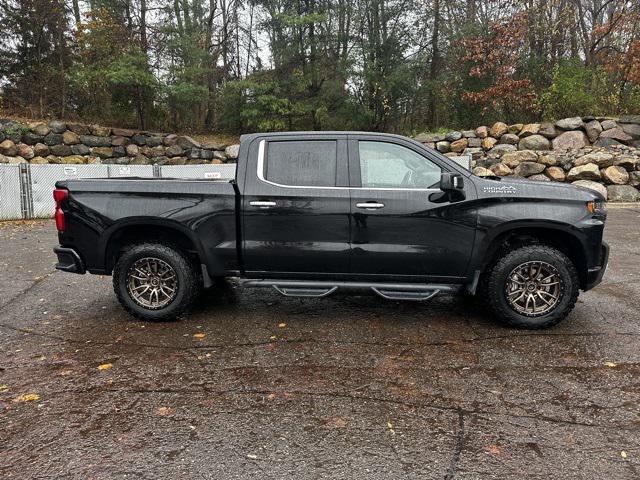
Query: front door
point(296, 206)
point(402, 224)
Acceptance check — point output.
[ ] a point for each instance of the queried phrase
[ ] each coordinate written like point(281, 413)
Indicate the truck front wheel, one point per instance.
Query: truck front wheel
point(532, 287)
point(155, 281)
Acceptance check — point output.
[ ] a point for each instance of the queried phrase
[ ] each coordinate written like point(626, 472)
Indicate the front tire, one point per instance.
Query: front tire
point(532, 287)
point(155, 282)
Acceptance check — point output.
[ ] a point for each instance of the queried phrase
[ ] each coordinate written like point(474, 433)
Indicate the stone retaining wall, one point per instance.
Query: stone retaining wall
point(73, 143)
point(598, 153)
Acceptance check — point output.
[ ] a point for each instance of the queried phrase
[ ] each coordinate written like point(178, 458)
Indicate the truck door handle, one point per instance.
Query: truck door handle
point(370, 205)
point(262, 204)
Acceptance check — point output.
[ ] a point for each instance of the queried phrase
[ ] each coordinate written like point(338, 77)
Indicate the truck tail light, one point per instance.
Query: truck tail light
point(60, 195)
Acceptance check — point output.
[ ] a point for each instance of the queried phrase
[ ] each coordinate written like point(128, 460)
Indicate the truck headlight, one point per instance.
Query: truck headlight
point(597, 207)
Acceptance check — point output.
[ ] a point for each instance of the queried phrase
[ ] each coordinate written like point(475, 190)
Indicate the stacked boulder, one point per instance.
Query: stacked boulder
point(566, 134)
point(613, 171)
point(599, 153)
point(72, 143)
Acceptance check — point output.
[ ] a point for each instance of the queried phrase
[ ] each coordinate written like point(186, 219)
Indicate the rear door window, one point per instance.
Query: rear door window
point(302, 163)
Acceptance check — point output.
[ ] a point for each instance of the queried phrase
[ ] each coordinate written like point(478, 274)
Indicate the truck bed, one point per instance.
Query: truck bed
point(203, 210)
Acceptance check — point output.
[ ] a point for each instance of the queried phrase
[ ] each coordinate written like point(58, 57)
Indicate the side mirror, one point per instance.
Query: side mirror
point(451, 182)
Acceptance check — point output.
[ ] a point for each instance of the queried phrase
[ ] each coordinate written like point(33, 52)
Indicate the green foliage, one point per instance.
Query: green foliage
point(630, 101)
point(15, 130)
point(385, 65)
point(130, 71)
point(265, 106)
point(132, 85)
point(573, 92)
point(300, 20)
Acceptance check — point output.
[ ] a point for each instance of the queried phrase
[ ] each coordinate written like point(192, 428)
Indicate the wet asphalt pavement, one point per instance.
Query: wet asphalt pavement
point(254, 385)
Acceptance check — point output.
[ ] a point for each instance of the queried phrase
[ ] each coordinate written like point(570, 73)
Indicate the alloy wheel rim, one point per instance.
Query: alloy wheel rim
point(152, 283)
point(534, 288)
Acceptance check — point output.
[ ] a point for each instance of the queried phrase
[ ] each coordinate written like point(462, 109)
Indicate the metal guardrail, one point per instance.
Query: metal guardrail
point(26, 190)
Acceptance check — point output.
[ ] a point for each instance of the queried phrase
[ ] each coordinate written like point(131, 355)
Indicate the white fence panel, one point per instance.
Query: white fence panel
point(211, 171)
point(119, 171)
point(44, 178)
point(10, 206)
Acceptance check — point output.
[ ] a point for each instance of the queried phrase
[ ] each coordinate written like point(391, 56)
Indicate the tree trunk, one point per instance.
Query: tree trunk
point(76, 13)
point(435, 64)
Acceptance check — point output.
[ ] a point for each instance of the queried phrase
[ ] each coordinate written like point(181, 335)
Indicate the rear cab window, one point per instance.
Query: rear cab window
point(295, 163)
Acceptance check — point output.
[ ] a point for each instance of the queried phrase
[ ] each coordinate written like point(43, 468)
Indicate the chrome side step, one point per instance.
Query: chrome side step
point(320, 288)
point(304, 292)
point(406, 295)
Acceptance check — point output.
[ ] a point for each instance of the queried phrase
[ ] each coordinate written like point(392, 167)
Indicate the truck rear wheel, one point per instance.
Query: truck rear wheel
point(155, 281)
point(532, 287)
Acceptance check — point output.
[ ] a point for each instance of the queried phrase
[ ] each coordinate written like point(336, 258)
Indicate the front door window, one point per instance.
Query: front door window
point(386, 165)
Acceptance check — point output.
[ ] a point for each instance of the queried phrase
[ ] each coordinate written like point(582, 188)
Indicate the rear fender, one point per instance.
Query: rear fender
point(122, 227)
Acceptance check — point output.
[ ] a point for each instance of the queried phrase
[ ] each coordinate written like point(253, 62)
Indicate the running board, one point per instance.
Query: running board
point(319, 288)
point(406, 295)
point(304, 292)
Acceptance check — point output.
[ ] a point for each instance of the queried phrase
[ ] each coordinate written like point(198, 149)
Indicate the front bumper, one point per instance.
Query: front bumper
point(595, 274)
point(69, 260)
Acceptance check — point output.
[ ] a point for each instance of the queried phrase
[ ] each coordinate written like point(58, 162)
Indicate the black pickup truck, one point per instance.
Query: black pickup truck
point(310, 213)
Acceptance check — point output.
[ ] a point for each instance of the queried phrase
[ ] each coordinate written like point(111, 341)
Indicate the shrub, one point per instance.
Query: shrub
point(571, 92)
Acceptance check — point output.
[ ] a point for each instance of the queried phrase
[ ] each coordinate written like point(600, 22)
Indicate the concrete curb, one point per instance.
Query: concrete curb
point(612, 205)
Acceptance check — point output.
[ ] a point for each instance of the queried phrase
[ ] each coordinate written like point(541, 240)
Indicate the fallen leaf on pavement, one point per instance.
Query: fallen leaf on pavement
point(164, 411)
point(105, 366)
point(28, 397)
point(390, 427)
point(335, 422)
point(494, 449)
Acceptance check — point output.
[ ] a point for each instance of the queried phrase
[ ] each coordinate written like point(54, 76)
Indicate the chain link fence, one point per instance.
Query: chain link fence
point(26, 190)
point(10, 192)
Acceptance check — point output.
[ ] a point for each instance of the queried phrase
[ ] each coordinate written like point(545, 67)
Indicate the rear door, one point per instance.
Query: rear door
point(402, 223)
point(296, 209)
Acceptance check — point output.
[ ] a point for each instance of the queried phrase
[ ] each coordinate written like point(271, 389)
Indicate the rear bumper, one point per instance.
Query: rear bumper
point(595, 274)
point(69, 260)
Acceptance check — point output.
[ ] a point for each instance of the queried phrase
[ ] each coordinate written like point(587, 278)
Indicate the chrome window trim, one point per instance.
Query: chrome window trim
point(260, 172)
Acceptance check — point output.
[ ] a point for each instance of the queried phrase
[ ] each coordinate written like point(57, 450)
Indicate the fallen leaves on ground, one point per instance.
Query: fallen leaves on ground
point(390, 427)
point(623, 454)
point(282, 325)
point(105, 366)
point(4, 388)
point(28, 397)
point(164, 411)
point(273, 337)
point(335, 422)
point(610, 364)
point(199, 336)
point(493, 449)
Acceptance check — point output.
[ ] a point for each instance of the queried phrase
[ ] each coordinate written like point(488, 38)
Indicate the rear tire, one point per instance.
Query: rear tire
point(532, 287)
point(155, 282)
